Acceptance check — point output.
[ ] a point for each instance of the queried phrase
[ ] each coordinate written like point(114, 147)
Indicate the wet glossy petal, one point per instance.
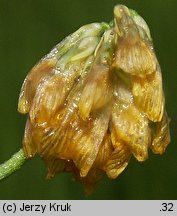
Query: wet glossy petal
point(29, 146)
point(89, 30)
point(98, 81)
point(50, 134)
point(78, 45)
point(130, 125)
point(32, 81)
point(78, 141)
point(51, 94)
point(161, 135)
point(134, 54)
point(119, 157)
point(87, 146)
point(140, 22)
point(105, 151)
point(148, 95)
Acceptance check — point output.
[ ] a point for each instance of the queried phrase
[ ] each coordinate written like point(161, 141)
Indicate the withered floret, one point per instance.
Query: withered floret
point(95, 100)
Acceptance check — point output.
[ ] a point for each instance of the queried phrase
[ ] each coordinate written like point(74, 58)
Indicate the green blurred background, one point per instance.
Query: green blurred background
point(28, 30)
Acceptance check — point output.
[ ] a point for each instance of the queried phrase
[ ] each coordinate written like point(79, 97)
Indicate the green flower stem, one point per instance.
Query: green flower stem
point(13, 164)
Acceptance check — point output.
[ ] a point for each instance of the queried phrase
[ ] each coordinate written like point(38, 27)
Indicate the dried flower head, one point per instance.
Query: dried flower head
point(95, 100)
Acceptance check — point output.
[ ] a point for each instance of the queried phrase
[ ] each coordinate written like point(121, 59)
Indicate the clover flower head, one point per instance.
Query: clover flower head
point(96, 100)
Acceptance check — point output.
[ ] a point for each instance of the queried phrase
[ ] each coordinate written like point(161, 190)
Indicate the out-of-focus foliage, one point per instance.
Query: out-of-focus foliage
point(28, 30)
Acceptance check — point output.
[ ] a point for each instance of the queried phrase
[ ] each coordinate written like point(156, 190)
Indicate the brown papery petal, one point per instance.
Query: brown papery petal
point(97, 90)
point(78, 141)
point(90, 182)
point(104, 153)
point(148, 95)
point(86, 140)
point(71, 138)
point(119, 158)
point(29, 146)
point(32, 81)
point(97, 85)
point(134, 55)
point(51, 94)
point(161, 136)
point(132, 127)
point(55, 165)
point(55, 134)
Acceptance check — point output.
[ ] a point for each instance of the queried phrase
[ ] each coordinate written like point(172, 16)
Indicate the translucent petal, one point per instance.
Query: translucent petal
point(134, 52)
point(98, 81)
point(131, 126)
point(51, 94)
point(71, 48)
point(122, 87)
point(90, 182)
point(55, 165)
point(141, 23)
point(134, 55)
point(119, 158)
point(31, 82)
point(89, 30)
point(97, 85)
point(77, 140)
point(161, 135)
point(28, 144)
point(69, 137)
point(104, 153)
point(86, 141)
point(85, 48)
point(117, 163)
point(148, 95)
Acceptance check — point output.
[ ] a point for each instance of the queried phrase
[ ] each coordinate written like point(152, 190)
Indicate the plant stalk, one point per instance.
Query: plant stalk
point(12, 165)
